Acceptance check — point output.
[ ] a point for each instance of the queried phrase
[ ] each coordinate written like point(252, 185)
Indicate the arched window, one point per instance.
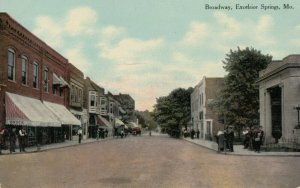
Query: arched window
point(24, 62)
point(46, 81)
point(35, 81)
point(11, 64)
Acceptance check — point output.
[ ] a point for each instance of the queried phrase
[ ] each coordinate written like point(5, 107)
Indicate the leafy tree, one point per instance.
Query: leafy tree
point(146, 119)
point(238, 102)
point(173, 111)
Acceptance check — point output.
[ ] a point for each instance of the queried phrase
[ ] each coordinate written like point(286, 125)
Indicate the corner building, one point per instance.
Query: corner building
point(32, 84)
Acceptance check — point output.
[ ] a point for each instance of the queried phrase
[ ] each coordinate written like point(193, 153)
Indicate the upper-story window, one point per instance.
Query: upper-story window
point(46, 81)
point(35, 81)
point(72, 93)
point(24, 62)
point(11, 64)
point(93, 100)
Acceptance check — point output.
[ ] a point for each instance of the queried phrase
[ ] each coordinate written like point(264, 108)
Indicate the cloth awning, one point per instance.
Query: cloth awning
point(63, 82)
point(56, 80)
point(121, 110)
point(63, 114)
point(133, 124)
point(118, 122)
point(102, 122)
point(21, 110)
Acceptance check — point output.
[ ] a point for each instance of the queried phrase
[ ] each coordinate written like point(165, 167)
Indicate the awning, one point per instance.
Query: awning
point(121, 110)
point(103, 122)
point(21, 110)
point(118, 122)
point(133, 124)
point(63, 114)
point(63, 82)
point(56, 80)
point(75, 112)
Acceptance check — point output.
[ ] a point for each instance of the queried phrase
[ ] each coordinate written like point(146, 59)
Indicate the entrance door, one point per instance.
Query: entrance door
point(276, 113)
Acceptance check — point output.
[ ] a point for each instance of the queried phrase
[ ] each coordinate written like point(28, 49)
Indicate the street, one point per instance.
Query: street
point(144, 161)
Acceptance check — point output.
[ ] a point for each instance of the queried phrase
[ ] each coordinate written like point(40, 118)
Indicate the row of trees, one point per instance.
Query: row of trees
point(237, 103)
point(172, 112)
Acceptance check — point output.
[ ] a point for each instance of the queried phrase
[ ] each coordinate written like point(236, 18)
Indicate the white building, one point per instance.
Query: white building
point(279, 93)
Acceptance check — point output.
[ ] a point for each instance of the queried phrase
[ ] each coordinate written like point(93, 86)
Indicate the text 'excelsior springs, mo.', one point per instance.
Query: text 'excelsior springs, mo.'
point(239, 6)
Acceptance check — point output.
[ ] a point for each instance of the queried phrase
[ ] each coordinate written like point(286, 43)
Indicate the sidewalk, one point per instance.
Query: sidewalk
point(239, 149)
point(67, 143)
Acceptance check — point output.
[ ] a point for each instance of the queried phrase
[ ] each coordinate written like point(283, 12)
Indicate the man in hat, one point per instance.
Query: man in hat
point(229, 134)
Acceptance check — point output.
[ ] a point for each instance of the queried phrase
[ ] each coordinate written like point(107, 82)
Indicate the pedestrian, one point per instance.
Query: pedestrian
point(22, 139)
point(220, 140)
point(246, 137)
point(98, 133)
point(106, 132)
point(12, 140)
point(79, 133)
point(258, 139)
point(198, 133)
point(192, 133)
point(39, 136)
point(229, 134)
point(2, 139)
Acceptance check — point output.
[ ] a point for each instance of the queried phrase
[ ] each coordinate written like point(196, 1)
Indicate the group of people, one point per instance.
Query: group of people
point(225, 139)
point(253, 138)
point(192, 133)
point(101, 133)
point(12, 135)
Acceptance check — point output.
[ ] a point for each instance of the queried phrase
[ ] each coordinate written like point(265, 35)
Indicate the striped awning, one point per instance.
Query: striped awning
point(21, 110)
point(102, 122)
point(118, 122)
point(63, 114)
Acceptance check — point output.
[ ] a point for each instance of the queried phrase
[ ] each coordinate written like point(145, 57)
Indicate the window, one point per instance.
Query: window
point(93, 100)
point(72, 93)
point(35, 75)
point(54, 89)
point(11, 65)
point(24, 62)
point(46, 89)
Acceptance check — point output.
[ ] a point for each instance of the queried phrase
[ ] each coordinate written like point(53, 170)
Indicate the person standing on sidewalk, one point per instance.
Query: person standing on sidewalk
point(258, 138)
point(22, 136)
point(198, 133)
point(12, 140)
point(229, 135)
point(79, 132)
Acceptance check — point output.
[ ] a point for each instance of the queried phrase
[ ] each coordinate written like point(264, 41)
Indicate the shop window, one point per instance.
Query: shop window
point(11, 64)
point(24, 62)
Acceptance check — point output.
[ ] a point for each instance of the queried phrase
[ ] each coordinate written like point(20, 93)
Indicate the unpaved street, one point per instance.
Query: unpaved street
point(157, 161)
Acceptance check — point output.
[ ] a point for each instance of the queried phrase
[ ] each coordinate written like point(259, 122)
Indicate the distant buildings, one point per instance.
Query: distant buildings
point(41, 90)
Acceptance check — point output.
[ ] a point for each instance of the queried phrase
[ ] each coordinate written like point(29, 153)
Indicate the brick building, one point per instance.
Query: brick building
point(33, 87)
point(203, 118)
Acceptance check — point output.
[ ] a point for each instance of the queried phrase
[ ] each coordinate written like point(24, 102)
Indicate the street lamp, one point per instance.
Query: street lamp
point(298, 109)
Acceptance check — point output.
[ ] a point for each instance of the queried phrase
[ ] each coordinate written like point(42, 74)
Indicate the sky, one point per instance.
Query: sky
point(147, 48)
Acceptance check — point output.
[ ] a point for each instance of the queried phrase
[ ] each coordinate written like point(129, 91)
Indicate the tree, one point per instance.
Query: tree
point(238, 102)
point(173, 111)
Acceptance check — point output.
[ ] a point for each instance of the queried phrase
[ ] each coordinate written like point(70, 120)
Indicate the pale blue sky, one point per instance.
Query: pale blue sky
point(148, 48)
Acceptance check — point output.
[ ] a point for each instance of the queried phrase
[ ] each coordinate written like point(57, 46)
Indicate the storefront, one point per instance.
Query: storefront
point(33, 115)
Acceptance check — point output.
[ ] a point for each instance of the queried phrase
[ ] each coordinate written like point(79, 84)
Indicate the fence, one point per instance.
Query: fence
point(291, 144)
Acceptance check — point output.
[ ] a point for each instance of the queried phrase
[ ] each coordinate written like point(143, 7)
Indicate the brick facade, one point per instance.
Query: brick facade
point(23, 43)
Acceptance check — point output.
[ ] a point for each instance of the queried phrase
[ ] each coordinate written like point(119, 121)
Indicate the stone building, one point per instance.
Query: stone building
point(33, 87)
point(279, 95)
point(202, 117)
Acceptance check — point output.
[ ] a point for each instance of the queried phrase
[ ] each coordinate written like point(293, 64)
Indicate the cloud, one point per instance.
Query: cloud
point(50, 30)
point(129, 50)
point(78, 59)
point(229, 26)
point(80, 21)
point(198, 31)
